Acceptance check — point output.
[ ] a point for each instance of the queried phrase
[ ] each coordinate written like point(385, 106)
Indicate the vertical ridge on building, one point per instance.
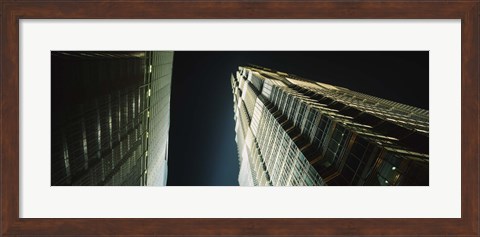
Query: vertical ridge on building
point(292, 131)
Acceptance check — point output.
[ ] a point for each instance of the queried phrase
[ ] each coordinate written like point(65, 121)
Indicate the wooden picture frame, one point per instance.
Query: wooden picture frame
point(12, 11)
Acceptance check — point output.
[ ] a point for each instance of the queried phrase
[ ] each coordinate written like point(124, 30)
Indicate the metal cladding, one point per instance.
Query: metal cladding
point(291, 131)
point(110, 118)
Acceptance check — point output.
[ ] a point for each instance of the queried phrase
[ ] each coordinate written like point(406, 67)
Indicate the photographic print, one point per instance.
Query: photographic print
point(240, 118)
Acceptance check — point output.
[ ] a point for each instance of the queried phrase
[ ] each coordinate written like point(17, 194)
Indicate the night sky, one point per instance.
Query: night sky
point(202, 148)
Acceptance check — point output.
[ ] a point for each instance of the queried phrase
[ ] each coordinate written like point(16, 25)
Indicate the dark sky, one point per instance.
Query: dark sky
point(202, 149)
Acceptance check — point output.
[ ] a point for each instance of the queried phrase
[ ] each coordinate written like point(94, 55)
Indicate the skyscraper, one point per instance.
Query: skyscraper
point(292, 131)
point(110, 117)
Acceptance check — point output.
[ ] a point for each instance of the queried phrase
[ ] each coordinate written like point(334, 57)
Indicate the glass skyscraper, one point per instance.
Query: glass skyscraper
point(291, 131)
point(110, 117)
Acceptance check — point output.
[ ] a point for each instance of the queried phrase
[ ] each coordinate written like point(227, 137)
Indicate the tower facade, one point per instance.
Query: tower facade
point(291, 131)
point(110, 118)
